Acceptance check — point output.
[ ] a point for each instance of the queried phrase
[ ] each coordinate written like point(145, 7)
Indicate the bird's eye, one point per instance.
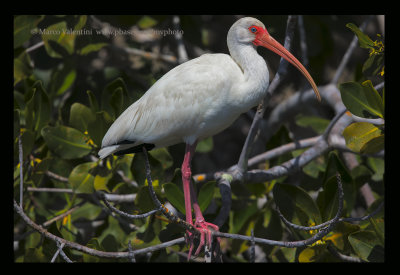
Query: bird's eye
point(253, 29)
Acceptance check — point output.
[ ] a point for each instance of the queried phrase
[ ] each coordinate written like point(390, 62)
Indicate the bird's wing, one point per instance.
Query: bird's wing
point(178, 105)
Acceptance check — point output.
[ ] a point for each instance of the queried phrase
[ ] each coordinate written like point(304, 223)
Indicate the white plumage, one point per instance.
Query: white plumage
point(195, 100)
point(201, 97)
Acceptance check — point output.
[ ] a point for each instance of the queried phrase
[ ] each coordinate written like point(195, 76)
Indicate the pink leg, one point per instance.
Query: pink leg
point(186, 176)
point(190, 195)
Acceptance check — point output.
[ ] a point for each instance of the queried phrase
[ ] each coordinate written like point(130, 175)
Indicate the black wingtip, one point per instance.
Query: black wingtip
point(135, 149)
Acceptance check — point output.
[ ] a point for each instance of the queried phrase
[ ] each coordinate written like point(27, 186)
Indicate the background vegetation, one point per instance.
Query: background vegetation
point(73, 76)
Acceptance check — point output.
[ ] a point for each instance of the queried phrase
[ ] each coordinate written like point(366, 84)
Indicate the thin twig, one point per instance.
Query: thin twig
point(57, 252)
point(62, 253)
point(252, 248)
point(131, 255)
point(124, 214)
point(364, 218)
point(166, 212)
point(341, 256)
point(88, 250)
point(34, 47)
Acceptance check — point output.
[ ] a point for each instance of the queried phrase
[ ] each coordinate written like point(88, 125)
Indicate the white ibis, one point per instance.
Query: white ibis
point(198, 99)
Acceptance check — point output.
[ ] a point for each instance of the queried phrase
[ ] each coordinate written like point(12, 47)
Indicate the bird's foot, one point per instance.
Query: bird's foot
point(205, 229)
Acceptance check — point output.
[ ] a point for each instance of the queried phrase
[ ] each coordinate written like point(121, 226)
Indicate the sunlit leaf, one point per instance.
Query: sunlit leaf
point(81, 180)
point(312, 254)
point(91, 48)
point(363, 39)
point(100, 183)
point(359, 133)
point(146, 22)
point(374, 145)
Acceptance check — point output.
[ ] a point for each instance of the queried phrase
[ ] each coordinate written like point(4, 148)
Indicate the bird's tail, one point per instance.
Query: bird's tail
point(106, 151)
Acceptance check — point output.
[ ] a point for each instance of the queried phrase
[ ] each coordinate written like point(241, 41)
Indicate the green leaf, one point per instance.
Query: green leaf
point(318, 124)
point(366, 245)
point(57, 41)
point(81, 22)
point(163, 156)
point(22, 67)
point(94, 105)
point(374, 99)
point(363, 39)
point(67, 82)
point(80, 116)
point(312, 254)
point(206, 194)
point(328, 199)
point(93, 243)
point(23, 25)
point(146, 22)
point(17, 127)
point(241, 216)
point(81, 180)
point(62, 78)
point(110, 243)
point(359, 133)
point(374, 145)
point(373, 65)
point(97, 128)
point(114, 97)
point(143, 199)
point(35, 255)
point(100, 183)
point(28, 141)
point(117, 100)
point(41, 107)
point(205, 145)
point(362, 100)
point(66, 142)
point(378, 167)
point(175, 196)
point(91, 48)
point(296, 204)
point(339, 235)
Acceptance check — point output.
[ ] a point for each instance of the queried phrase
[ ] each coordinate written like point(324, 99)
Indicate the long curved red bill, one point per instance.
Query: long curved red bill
point(267, 41)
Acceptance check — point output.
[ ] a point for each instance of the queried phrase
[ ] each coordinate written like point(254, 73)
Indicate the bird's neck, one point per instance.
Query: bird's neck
point(255, 72)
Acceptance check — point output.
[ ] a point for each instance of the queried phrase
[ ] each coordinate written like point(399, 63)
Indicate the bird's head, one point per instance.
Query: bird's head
point(252, 31)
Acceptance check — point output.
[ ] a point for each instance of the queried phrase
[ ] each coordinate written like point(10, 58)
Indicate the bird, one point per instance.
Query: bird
point(198, 99)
